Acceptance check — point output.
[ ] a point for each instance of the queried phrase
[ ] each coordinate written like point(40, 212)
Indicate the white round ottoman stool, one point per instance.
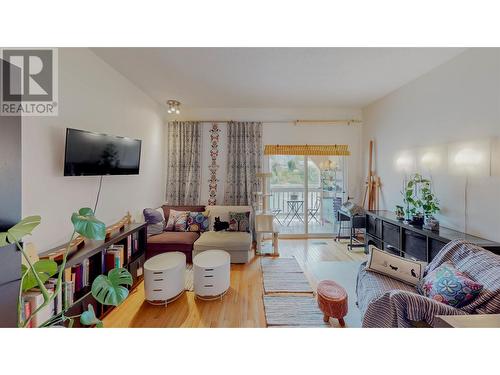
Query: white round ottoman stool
point(164, 277)
point(211, 274)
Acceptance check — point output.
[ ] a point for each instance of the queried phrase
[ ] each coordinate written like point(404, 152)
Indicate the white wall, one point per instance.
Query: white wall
point(277, 132)
point(457, 101)
point(92, 96)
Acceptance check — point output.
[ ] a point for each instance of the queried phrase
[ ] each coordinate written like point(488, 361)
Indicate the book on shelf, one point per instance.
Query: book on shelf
point(51, 285)
point(134, 242)
point(68, 293)
point(115, 257)
point(26, 311)
point(79, 274)
point(129, 246)
point(35, 300)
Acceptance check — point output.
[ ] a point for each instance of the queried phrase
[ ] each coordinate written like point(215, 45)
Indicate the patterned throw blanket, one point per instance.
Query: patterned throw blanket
point(385, 302)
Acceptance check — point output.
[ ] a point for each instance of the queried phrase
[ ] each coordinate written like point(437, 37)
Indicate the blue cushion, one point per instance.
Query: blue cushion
point(154, 219)
point(448, 285)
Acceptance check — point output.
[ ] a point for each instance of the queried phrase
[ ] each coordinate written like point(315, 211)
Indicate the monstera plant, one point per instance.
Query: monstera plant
point(106, 289)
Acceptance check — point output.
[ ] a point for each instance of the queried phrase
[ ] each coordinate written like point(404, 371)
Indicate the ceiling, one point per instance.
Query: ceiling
point(273, 77)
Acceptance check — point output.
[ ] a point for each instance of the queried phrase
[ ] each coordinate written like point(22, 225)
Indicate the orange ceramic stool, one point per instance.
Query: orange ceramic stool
point(332, 301)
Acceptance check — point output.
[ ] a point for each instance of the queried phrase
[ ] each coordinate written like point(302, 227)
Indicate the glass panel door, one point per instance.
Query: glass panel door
point(326, 194)
point(307, 206)
point(288, 192)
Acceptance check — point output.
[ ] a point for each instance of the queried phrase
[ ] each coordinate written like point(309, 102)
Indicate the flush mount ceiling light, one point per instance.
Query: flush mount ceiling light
point(173, 106)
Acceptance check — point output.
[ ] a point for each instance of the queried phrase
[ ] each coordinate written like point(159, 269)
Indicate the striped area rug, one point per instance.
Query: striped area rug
point(280, 265)
point(284, 275)
point(293, 311)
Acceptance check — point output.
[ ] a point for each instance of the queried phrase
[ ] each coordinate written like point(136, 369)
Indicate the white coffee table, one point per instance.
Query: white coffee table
point(164, 277)
point(211, 274)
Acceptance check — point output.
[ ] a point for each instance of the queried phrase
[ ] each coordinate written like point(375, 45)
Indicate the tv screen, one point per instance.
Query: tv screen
point(93, 154)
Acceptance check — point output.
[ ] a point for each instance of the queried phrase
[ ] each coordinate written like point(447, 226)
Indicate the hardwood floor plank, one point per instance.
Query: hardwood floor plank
point(242, 306)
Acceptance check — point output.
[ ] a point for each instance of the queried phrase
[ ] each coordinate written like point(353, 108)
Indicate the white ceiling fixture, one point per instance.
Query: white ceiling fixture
point(273, 77)
point(173, 106)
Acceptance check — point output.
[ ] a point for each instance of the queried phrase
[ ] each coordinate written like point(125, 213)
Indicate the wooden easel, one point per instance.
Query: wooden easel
point(372, 185)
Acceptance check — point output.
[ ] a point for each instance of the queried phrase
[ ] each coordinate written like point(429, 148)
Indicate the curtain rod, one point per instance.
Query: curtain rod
point(295, 122)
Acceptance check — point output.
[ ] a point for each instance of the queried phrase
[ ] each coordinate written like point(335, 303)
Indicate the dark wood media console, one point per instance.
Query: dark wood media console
point(95, 251)
point(386, 232)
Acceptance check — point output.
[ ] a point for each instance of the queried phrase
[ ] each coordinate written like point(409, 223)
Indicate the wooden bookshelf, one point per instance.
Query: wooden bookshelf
point(95, 252)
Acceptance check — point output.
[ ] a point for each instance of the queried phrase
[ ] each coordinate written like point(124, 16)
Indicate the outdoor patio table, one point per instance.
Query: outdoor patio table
point(295, 208)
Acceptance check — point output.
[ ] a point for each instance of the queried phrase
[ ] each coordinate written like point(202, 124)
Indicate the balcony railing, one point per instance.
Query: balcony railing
point(281, 196)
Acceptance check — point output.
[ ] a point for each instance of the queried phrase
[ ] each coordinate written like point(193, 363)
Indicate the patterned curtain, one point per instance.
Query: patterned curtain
point(183, 164)
point(244, 161)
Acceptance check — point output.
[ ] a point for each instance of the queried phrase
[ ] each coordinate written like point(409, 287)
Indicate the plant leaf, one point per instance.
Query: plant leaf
point(23, 228)
point(88, 318)
point(87, 225)
point(110, 290)
point(45, 269)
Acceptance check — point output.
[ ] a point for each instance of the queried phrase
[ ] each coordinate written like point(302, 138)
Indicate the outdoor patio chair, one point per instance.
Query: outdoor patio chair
point(313, 212)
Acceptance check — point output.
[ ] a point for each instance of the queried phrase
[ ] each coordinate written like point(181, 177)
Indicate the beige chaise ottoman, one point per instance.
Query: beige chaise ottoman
point(237, 244)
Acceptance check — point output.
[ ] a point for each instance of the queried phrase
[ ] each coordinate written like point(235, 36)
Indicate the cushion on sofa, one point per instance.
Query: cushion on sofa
point(229, 241)
point(155, 220)
point(174, 238)
point(448, 285)
point(479, 265)
point(166, 209)
point(399, 268)
point(197, 221)
point(177, 221)
point(171, 241)
point(239, 221)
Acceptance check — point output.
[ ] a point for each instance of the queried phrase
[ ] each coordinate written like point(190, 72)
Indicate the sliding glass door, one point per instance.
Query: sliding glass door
point(288, 192)
point(306, 192)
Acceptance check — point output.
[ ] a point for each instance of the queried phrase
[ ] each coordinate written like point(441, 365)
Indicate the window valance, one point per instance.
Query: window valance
point(310, 150)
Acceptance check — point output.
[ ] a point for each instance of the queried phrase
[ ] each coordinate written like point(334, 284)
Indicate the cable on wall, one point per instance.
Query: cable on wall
point(98, 195)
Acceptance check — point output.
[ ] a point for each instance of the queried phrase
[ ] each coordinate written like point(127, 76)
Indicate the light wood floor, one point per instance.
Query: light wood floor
point(241, 307)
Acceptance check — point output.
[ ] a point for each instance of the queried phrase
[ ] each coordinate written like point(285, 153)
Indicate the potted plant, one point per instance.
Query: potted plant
point(400, 212)
point(420, 203)
point(430, 205)
point(410, 200)
point(106, 289)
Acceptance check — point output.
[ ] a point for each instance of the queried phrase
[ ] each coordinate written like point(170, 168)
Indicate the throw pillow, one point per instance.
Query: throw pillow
point(448, 285)
point(197, 221)
point(239, 222)
point(177, 221)
point(155, 220)
point(399, 268)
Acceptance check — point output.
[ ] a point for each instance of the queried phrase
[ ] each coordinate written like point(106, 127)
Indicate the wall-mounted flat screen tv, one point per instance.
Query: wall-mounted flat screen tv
point(94, 154)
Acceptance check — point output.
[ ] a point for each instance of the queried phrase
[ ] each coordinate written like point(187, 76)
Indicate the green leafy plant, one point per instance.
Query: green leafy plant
point(418, 198)
point(108, 290)
point(400, 212)
point(430, 204)
point(88, 318)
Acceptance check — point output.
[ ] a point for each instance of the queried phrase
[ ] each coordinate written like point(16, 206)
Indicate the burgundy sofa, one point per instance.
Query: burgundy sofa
point(174, 241)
